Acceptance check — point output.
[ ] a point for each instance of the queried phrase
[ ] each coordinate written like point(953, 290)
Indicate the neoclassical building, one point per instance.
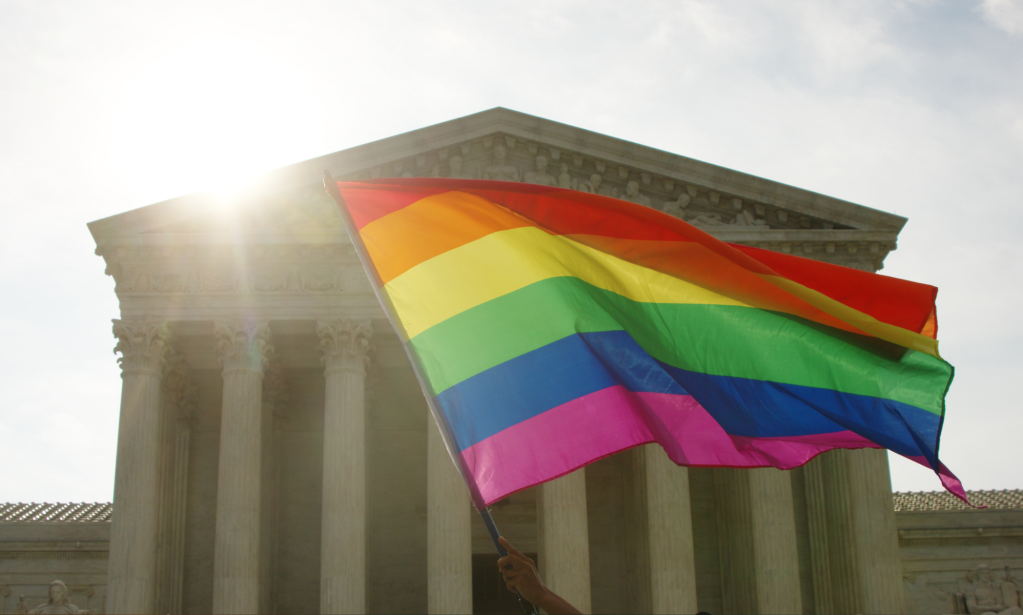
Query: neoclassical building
point(276, 455)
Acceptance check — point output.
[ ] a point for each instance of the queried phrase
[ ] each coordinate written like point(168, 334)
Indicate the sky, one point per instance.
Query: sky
point(914, 107)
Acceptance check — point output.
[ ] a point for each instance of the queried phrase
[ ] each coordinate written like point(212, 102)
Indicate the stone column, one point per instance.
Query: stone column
point(179, 400)
point(670, 532)
point(857, 544)
point(877, 541)
point(275, 398)
point(757, 541)
point(345, 346)
point(280, 418)
point(817, 519)
point(244, 349)
point(448, 530)
point(564, 538)
point(133, 533)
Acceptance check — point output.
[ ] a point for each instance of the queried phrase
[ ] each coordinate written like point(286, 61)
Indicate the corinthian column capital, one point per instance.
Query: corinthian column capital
point(276, 394)
point(142, 344)
point(345, 344)
point(178, 389)
point(243, 344)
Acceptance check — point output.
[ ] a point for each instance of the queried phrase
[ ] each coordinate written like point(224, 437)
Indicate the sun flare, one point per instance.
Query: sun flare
point(212, 114)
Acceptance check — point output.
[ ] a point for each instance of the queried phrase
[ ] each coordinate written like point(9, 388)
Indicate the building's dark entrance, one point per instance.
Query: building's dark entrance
point(489, 594)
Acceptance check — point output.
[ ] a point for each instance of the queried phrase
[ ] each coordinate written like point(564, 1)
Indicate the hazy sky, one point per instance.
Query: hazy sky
point(912, 107)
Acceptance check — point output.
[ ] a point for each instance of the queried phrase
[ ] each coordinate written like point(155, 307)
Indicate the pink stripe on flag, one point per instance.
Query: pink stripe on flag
point(615, 419)
point(948, 479)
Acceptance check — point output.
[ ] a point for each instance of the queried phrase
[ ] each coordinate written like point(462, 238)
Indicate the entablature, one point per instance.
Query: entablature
point(279, 248)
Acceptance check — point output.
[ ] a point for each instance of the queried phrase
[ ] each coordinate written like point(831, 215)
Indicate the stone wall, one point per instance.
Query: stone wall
point(33, 554)
point(940, 549)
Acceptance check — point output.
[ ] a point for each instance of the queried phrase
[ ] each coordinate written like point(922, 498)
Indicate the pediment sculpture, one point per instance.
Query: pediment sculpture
point(679, 209)
point(540, 176)
point(504, 157)
point(501, 170)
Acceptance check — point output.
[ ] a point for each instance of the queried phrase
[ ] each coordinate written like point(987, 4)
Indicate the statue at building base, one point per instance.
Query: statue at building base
point(59, 602)
point(987, 595)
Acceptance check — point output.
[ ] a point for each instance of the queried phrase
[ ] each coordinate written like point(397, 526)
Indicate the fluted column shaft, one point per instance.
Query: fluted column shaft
point(564, 538)
point(854, 545)
point(448, 533)
point(133, 533)
point(178, 404)
point(817, 519)
point(275, 398)
point(669, 519)
point(877, 542)
point(244, 350)
point(345, 346)
point(176, 537)
point(757, 536)
point(776, 558)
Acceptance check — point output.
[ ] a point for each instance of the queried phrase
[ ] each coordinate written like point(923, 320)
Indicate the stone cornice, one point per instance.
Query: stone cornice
point(808, 235)
point(327, 237)
point(175, 278)
point(241, 268)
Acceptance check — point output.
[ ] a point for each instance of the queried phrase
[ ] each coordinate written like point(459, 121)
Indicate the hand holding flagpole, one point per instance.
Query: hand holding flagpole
point(521, 576)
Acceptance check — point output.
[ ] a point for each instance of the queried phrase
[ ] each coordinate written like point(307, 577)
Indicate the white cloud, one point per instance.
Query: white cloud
point(1004, 14)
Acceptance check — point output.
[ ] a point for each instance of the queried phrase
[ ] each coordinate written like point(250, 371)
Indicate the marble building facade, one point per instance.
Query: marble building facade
point(275, 453)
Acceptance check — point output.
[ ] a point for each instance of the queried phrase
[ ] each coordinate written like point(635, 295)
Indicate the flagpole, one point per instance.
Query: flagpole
point(445, 431)
point(527, 607)
point(331, 187)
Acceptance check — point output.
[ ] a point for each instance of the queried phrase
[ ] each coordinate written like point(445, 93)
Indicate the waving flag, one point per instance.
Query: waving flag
point(550, 328)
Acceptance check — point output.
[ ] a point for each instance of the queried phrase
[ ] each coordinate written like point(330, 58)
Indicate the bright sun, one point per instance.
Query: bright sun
point(211, 114)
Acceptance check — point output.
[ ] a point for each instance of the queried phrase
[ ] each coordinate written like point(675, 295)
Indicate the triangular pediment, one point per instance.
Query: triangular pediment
point(289, 204)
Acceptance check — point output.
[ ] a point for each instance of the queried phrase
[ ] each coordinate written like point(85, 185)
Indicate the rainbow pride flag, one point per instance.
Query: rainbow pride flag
point(550, 328)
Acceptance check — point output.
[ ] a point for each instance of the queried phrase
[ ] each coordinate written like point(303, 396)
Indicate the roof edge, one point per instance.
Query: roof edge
point(514, 123)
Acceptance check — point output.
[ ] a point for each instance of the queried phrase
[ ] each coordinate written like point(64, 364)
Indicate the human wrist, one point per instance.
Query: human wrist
point(553, 604)
point(547, 601)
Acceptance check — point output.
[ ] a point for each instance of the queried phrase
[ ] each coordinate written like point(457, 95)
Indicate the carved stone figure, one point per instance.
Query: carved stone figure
point(633, 195)
point(501, 170)
point(595, 185)
point(706, 220)
point(59, 601)
point(564, 179)
point(678, 208)
point(987, 595)
point(592, 185)
point(540, 175)
point(457, 172)
point(746, 217)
